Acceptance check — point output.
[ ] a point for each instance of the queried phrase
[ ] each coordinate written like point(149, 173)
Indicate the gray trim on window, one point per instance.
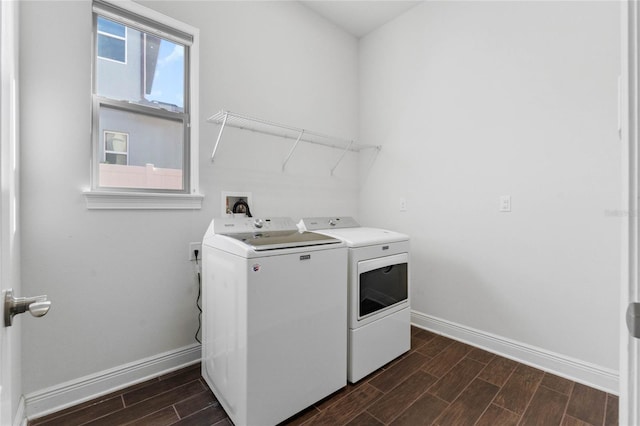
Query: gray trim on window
point(113, 12)
point(133, 20)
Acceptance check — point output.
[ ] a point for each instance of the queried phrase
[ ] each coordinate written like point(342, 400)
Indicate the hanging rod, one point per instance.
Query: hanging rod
point(241, 121)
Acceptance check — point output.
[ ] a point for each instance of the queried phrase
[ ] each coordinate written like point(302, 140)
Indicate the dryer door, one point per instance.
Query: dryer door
point(383, 283)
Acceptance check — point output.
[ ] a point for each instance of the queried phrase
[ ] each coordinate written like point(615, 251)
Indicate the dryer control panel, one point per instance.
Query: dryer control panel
point(316, 223)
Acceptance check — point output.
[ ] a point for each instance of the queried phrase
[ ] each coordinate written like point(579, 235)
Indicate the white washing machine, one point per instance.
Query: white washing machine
point(274, 335)
point(379, 319)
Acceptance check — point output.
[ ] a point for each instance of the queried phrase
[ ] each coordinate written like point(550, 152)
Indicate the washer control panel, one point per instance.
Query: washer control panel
point(234, 225)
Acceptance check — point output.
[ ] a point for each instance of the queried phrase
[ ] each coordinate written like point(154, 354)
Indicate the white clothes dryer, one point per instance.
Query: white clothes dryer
point(379, 317)
point(274, 317)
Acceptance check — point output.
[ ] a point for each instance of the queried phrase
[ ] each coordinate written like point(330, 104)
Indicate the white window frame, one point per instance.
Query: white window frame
point(104, 33)
point(97, 198)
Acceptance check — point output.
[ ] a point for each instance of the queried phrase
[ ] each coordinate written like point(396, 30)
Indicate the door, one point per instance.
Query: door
point(630, 290)
point(10, 385)
point(382, 283)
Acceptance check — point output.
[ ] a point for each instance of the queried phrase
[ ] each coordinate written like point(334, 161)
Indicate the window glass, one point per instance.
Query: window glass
point(141, 122)
point(154, 75)
point(116, 148)
point(111, 27)
point(111, 48)
point(152, 155)
point(164, 73)
point(115, 142)
point(111, 158)
point(112, 40)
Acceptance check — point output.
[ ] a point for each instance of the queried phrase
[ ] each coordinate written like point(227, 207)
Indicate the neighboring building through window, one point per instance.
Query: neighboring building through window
point(112, 40)
point(141, 108)
point(116, 149)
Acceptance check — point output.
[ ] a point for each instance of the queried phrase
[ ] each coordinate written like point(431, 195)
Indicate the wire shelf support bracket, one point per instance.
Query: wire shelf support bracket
point(215, 147)
point(341, 157)
point(293, 148)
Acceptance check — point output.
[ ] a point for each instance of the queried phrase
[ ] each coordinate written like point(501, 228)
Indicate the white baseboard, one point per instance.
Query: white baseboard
point(579, 371)
point(64, 395)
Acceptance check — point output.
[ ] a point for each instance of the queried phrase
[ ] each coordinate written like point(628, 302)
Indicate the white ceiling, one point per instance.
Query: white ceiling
point(359, 17)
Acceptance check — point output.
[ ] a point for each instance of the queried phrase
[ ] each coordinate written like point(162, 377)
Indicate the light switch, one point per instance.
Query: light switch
point(505, 203)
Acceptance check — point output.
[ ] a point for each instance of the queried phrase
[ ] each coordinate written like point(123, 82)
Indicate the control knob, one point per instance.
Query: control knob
point(258, 223)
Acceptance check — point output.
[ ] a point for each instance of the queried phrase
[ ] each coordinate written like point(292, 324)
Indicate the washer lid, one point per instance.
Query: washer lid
point(274, 240)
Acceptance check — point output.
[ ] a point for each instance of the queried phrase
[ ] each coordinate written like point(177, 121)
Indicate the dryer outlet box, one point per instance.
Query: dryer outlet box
point(229, 199)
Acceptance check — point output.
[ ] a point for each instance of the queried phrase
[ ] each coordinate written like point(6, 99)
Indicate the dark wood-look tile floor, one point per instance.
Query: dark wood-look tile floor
point(439, 382)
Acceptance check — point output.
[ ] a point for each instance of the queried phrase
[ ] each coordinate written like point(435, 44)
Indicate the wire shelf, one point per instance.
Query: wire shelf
point(240, 121)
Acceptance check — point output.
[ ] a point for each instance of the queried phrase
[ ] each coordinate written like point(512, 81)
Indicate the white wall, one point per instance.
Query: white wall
point(473, 100)
point(121, 286)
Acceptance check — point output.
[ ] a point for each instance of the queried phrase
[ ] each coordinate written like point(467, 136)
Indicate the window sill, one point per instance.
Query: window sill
point(106, 200)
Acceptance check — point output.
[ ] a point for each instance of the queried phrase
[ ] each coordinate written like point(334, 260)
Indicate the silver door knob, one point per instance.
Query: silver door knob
point(38, 309)
point(37, 306)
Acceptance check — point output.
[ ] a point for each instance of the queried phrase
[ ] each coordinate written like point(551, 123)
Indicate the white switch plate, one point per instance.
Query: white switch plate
point(403, 204)
point(192, 248)
point(505, 203)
